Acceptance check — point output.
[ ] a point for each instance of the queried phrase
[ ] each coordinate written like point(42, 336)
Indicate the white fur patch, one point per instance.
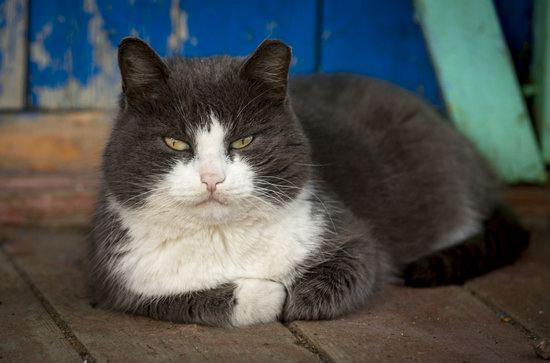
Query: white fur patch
point(258, 301)
point(211, 156)
point(168, 253)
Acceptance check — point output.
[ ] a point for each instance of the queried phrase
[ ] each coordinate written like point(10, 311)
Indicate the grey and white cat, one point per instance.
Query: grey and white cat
point(233, 197)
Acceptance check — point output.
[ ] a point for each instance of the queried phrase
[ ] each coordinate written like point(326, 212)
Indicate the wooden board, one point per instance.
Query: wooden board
point(55, 261)
point(73, 45)
point(53, 200)
point(426, 325)
point(13, 53)
point(28, 333)
point(53, 142)
point(523, 289)
point(380, 39)
point(479, 85)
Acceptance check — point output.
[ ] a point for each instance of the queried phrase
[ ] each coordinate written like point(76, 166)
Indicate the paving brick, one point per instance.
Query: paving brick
point(522, 289)
point(428, 325)
point(55, 263)
point(27, 333)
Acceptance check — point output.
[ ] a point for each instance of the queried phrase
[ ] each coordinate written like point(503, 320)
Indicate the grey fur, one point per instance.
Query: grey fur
point(392, 175)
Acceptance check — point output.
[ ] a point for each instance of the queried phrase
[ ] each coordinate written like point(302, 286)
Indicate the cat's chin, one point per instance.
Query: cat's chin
point(214, 211)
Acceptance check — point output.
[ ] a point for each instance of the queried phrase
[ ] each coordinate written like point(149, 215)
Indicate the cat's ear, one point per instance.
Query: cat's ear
point(267, 68)
point(143, 71)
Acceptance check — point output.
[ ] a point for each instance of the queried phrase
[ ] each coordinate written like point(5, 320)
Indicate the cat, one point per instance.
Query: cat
point(232, 195)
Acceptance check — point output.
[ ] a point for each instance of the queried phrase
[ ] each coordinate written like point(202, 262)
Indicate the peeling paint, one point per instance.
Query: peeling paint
point(13, 14)
point(75, 65)
point(179, 34)
point(39, 54)
point(102, 88)
point(270, 28)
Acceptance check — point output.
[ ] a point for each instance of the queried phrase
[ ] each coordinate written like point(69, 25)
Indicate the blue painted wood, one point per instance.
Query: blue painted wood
point(379, 39)
point(73, 43)
point(516, 20)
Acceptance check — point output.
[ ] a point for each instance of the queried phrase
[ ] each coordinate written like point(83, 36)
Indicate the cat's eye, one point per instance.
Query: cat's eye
point(176, 144)
point(241, 143)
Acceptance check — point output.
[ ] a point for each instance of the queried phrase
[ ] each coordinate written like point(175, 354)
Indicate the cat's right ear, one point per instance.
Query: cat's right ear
point(143, 71)
point(267, 68)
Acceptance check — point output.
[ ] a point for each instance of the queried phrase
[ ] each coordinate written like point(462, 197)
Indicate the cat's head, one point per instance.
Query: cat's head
point(210, 139)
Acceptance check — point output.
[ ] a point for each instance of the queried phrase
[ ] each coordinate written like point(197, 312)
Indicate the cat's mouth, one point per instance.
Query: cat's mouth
point(211, 200)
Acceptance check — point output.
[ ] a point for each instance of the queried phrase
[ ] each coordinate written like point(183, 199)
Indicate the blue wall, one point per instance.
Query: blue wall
point(72, 58)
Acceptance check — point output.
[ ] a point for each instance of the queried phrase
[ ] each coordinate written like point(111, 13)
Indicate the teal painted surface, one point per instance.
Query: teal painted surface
point(481, 91)
point(13, 30)
point(542, 74)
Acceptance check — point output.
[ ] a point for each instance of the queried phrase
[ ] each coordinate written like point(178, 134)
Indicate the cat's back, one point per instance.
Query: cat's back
point(391, 158)
point(343, 101)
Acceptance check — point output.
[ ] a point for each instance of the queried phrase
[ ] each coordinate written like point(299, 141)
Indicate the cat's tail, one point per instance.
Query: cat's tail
point(500, 243)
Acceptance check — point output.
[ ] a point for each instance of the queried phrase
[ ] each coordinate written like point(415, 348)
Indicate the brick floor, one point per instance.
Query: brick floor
point(45, 313)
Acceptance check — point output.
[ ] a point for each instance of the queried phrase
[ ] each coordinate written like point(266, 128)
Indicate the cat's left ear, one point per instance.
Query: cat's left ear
point(267, 68)
point(143, 71)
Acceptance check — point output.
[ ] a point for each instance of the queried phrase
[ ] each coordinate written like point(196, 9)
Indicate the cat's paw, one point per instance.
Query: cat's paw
point(257, 301)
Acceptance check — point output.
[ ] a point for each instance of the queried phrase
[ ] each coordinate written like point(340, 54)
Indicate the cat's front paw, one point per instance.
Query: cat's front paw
point(257, 301)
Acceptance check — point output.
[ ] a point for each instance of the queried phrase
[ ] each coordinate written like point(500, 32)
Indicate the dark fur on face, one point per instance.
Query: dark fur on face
point(175, 97)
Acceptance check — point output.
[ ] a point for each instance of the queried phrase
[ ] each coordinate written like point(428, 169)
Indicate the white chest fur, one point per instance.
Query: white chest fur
point(164, 258)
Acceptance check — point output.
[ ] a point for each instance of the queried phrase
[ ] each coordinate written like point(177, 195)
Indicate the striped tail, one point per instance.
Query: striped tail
point(501, 242)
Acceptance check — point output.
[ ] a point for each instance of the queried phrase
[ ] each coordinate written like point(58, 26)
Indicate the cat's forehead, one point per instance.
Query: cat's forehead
point(206, 89)
point(203, 88)
point(204, 72)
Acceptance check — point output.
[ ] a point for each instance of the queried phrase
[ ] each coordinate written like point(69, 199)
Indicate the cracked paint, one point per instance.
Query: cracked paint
point(39, 54)
point(73, 64)
point(180, 32)
point(102, 89)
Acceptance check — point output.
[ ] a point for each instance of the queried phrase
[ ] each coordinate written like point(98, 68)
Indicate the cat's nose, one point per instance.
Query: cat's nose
point(211, 180)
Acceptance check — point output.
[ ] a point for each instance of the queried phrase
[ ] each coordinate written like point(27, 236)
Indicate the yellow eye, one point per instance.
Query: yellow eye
point(175, 144)
point(242, 143)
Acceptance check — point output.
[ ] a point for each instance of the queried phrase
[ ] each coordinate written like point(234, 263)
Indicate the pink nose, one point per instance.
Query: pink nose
point(211, 180)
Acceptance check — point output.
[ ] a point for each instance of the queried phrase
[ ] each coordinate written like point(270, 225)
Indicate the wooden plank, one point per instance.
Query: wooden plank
point(52, 142)
point(13, 53)
point(428, 325)
point(542, 74)
point(28, 333)
point(73, 44)
point(531, 204)
point(49, 257)
point(51, 200)
point(479, 85)
point(379, 39)
point(529, 278)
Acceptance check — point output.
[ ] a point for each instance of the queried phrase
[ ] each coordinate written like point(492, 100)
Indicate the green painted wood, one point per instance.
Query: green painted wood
point(542, 74)
point(480, 88)
point(13, 58)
